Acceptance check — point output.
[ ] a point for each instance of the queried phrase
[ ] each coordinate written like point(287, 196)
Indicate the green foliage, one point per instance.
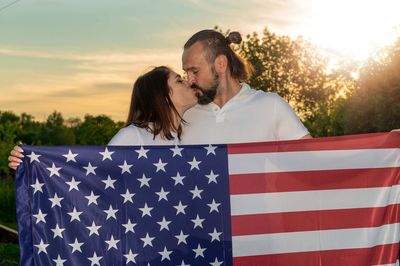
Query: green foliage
point(7, 203)
point(9, 128)
point(374, 106)
point(9, 254)
point(54, 132)
point(96, 130)
point(297, 72)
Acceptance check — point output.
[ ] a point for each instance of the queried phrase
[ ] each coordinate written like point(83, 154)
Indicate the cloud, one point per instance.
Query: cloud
point(97, 83)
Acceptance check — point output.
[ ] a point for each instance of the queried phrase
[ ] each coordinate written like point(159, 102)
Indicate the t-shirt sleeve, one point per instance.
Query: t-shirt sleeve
point(289, 126)
point(126, 136)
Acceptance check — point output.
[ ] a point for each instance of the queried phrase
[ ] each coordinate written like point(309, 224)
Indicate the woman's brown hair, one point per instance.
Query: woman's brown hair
point(151, 107)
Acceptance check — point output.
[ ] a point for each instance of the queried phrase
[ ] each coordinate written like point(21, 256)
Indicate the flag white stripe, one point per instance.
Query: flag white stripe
point(313, 160)
point(394, 264)
point(314, 200)
point(253, 245)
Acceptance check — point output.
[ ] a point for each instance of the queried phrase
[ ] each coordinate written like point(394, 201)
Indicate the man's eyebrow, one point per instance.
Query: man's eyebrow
point(190, 68)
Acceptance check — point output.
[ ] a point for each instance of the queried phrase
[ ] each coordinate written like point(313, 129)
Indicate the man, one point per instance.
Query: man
point(230, 111)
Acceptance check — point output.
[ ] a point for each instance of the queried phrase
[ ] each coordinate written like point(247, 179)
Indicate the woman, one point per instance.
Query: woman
point(159, 99)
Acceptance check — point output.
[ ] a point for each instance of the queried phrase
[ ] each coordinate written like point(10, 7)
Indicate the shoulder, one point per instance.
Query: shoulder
point(126, 136)
point(259, 95)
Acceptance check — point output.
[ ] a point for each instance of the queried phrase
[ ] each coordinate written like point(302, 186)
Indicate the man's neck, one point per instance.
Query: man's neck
point(226, 91)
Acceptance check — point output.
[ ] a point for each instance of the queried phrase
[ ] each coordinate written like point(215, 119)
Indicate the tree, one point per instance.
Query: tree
point(8, 130)
point(54, 132)
point(374, 106)
point(96, 130)
point(299, 73)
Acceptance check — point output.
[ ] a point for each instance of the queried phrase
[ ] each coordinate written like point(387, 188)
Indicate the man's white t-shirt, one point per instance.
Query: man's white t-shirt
point(250, 116)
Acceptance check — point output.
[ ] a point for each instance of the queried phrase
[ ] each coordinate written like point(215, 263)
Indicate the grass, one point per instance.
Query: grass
point(9, 254)
point(7, 203)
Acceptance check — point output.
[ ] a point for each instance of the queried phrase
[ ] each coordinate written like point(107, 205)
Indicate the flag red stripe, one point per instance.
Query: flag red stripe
point(313, 180)
point(351, 142)
point(314, 220)
point(383, 254)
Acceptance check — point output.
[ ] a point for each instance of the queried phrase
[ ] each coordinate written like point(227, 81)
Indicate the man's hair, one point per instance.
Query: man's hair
point(217, 44)
point(151, 106)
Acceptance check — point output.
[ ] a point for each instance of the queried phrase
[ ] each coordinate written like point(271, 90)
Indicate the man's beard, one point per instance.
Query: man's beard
point(206, 96)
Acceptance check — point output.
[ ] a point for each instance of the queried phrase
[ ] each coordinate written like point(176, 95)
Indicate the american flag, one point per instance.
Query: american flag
point(327, 201)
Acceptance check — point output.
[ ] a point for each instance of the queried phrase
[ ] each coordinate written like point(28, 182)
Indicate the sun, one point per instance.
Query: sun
point(352, 28)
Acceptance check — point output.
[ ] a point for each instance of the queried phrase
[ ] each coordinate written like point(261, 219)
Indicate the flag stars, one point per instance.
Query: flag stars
point(176, 151)
point(196, 192)
point(165, 254)
point(111, 213)
point(73, 184)
point(129, 226)
point(59, 261)
point(194, 164)
point(180, 208)
point(142, 152)
point(215, 235)
point(199, 251)
point(76, 246)
point(146, 210)
point(37, 186)
point(40, 217)
point(216, 262)
point(181, 238)
point(34, 157)
point(112, 243)
point(164, 224)
point(93, 229)
point(57, 231)
point(144, 181)
point(160, 165)
point(214, 206)
point(70, 156)
point(130, 257)
point(55, 201)
point(212, 177)
point(178, 179)
point(92, 199)
point(128, 196)
point(109, 183)
point(183, 264)
point(90, 169)
point(106, 154)
point(198, 222)
point(42, 247)
point(147, 240)
point(54, 170)
point(125, 168)
point(210, 149)
point(162, 194)
point(74, 215)
point(95, 260)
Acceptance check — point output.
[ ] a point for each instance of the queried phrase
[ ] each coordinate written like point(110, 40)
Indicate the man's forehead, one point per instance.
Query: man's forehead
point(192, 58)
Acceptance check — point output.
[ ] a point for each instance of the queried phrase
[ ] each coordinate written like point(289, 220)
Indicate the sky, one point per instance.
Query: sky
point(82, 57)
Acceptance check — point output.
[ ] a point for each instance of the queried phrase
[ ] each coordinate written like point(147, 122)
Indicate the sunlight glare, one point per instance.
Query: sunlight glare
point(353, 28)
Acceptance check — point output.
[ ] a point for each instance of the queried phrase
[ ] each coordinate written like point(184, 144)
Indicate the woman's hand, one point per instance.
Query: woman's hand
point(15, 157)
